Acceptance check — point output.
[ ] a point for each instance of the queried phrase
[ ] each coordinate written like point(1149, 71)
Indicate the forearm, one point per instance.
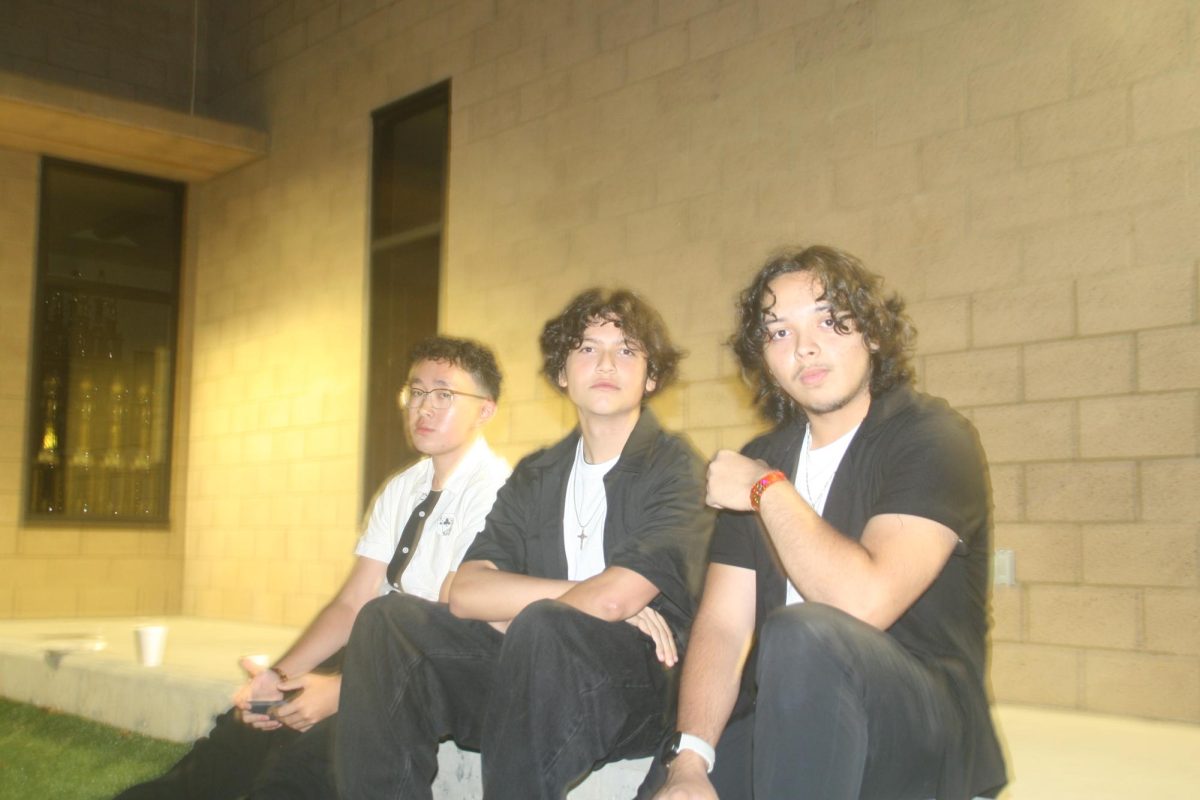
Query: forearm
point(325, 635)
point(482, 592)
point(712, 673)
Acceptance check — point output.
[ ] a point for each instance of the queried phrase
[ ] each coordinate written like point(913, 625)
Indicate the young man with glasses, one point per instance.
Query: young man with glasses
point(420, 525)
point(847, 589)
point(571, 609)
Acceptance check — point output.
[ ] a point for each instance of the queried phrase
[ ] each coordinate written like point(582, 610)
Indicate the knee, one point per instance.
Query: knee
point(540, 619)
point(385, 615)
point(803, 634)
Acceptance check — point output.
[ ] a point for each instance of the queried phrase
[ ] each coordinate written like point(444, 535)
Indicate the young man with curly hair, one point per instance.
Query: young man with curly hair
point(571, 609)
point(847, 588)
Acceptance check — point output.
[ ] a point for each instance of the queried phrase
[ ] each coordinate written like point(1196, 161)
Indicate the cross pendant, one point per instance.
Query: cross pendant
point(582, 537)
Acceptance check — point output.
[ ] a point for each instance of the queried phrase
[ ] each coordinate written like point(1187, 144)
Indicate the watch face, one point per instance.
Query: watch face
point(672, 748)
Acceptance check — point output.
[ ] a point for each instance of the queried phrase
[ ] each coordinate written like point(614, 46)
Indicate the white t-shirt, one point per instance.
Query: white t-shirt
point(466, 499)
point(814, 477)
point(583, 517)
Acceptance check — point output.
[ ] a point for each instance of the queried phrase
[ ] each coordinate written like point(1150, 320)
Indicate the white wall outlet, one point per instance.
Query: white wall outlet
point(1004, 568)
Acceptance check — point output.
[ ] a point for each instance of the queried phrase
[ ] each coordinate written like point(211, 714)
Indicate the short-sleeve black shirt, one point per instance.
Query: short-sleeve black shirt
point(915, 455)
point(656, 523)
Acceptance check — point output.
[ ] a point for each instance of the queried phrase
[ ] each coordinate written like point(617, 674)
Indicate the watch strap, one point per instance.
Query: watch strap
point(698, 746)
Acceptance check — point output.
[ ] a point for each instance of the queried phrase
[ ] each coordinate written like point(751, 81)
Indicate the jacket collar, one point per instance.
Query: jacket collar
point(633, 455)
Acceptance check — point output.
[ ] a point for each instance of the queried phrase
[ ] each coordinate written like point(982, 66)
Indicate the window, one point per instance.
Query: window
point(103, 346)
point(408, 197)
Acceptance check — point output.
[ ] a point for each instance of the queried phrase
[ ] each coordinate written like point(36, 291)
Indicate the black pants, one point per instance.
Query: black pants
point(843, 712)
point(557, 695)
point(235, 761)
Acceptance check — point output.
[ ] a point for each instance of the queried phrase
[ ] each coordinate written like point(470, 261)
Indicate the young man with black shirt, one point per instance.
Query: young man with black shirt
point(420, 526)
point(847, 586)
point(572, 606)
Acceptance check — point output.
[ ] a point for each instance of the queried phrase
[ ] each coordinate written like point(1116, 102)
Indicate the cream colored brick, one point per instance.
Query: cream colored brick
point(597, 76)
point(1144, 175)
point(779, 14)
point(1025, 197)
point(1080, 491)
point(1169, 359)
point(1152, 39)
point(1166, 104)
point(1161, 687)
point(1080, 245)
point(919, 111)
point(657, 229)
point(518, 68)
point(657, 53)
point(1132, 426)
point(978, 377)
point(942, 325)
point(1034, 79)
point(1008, 482)
point(49, 542)
point(875, 72)
point(1083, 616)
point(1173, 621)
point(1024, 314)
point(1168, 490)
point(46, 601)
point(906, 17)
point(108, 601)
point(1141, 555)
point(1077, 127)
point(710, 403)
point(1167, 232)
point(879, 175)
point(1044, 553)
point(1078, 368)
point(1006, 610)
point(925, 220)
point(1148, 298)
point(1035, 674)
point(974, 264)
point(845, 29)
point(492, 116)
point(1027, 432)
point(624, 22)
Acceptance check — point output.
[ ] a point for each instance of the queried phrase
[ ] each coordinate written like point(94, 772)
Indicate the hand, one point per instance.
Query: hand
point(651, 623)
point(730, 477)
point(687, 779)
point(317, 699)
point(263, 685)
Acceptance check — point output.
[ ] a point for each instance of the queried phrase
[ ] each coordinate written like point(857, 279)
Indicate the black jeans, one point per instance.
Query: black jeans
point(843, 712)
point(557, 695)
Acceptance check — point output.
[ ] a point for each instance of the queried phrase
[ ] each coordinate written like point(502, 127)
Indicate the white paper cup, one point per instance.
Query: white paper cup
point(151, 640)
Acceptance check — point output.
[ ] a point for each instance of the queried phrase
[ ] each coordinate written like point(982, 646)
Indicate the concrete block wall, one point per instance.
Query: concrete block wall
point(1027, 174)
point(61, 571)
point(134, 49)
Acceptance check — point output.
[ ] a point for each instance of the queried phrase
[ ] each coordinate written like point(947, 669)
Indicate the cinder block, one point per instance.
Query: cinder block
point(625, 22)
point(1079, 245)
point(873, 73)
point(1084, 616)
point(1034, 79)
point(907, 17)
point(49, 542)
point(720, 30)
point(942, 325)
point(1027, 432)
point(1097, 491)
point(1136, 176)
point(1173, 621)
point(1138, 425)
point(916, 112)
point(775, 15)
point(1168, 493)
point(657, 53)
point(1044, 553)
point(671, 12)
point(1152, 38)
point(1169, 359)
point(519, 67)
point(1143, 685)
point(107, 601)
point(1025, 197)
point(710, 404)
point(924, 221)
point(1029, 313)
point(46, 601)
point(977, 377)
point(1008, 492)
point(657, 229)
point(988, 34)
point(1080, 367)
point(875, 176)
point(1141, 555)
point(495, 38)
point(1036, 674)
point(1167, 232)
point(1135, 300)
point(1166, 104)
point(1076, 127)
point(976, 151)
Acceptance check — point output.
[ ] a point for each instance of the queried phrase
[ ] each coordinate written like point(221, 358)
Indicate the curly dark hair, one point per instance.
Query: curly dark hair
point(474, 358)
point(640, 322)
point(855, 293)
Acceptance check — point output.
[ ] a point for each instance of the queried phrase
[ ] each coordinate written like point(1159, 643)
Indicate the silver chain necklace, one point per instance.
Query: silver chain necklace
point(816, 501)
point(576, 500)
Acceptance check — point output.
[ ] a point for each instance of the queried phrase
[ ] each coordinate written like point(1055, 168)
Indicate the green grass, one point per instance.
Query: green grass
point(44, 754)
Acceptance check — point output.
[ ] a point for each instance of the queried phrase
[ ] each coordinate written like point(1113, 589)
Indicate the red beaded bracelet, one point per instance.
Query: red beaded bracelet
point(760, 486)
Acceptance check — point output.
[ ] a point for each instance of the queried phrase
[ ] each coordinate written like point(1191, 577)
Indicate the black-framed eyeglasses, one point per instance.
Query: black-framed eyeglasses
point(411, 397)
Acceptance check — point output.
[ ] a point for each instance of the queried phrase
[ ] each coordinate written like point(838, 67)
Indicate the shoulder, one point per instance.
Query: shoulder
point(923, 420)
point(773, 444)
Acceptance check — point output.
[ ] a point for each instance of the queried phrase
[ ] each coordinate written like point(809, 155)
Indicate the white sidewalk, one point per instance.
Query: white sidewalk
point(1052, 755)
